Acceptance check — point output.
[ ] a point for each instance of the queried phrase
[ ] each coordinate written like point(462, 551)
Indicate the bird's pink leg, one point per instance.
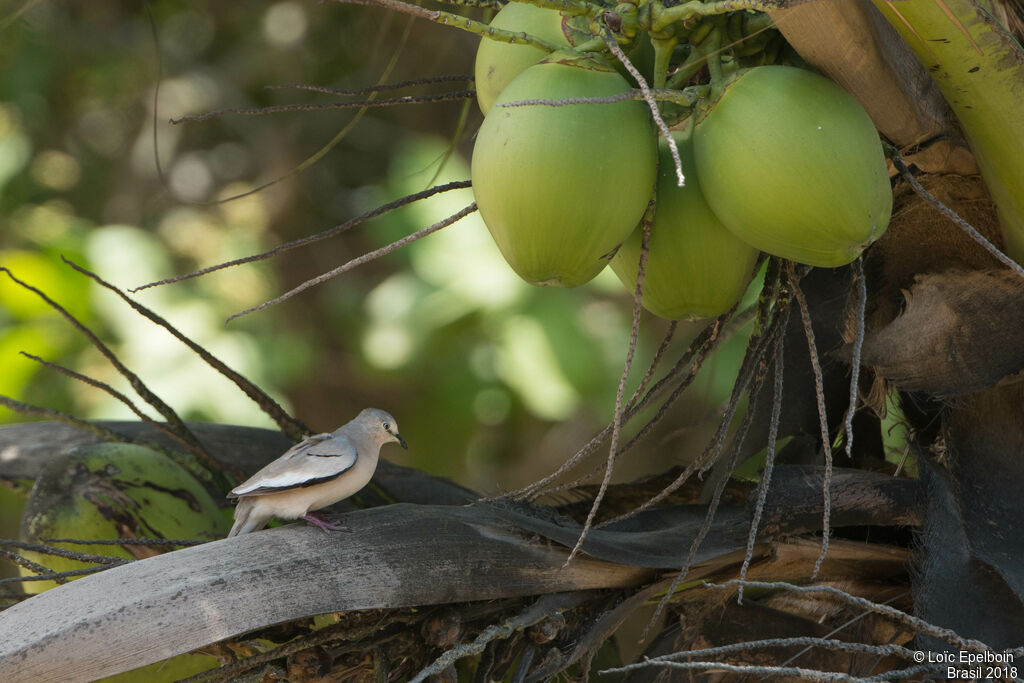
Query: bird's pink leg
point(318, 521)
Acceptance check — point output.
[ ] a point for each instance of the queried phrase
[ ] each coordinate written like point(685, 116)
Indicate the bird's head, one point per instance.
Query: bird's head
point(382, 425)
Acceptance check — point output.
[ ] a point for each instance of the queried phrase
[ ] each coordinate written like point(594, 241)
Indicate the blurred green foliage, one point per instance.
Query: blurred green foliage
point(494, 382)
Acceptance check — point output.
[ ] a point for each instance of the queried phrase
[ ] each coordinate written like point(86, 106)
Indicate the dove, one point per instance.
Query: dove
point(315, 473)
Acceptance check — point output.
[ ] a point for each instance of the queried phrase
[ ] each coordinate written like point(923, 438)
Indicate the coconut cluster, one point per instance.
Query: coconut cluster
point(779, 160)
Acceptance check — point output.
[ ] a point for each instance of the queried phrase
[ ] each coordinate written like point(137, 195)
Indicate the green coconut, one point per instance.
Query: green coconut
point(498, 63)
point(561, 187)
point(111, 491)
point(695, 268)
point(792, 164)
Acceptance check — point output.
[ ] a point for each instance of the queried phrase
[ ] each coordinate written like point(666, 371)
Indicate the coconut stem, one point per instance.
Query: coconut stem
point(478, 27)
point(688, 69)
point(661, 17)
point(662, 55)
point(714, 58)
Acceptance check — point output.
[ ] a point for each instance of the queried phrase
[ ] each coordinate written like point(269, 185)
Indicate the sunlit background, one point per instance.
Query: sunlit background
point(494, 382)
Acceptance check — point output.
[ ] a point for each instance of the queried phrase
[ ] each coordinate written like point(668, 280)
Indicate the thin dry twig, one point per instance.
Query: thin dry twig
point(320, 153)
point(59, 576)
point(769, 459)
point(754, 378)
point(444, 78)
point(209, 463)
point(103, 386)
point(670, 332)
point(973, 232)
point(43, 573)
point(28, 564)
point(846, 624)
point(819, 394)
point(773, 671)
point(683, 98)
point(918, 625)
point(326, 106)
point(479, 28)
point(613, 46)
point(457, 135)
point(301, 242)
point(809, 642)
point(634, 335)
point(365, 258)
point(328, 635)
point(291, 426)
point(541, 609)
point(858, 346)
point(756, 348)
point(600, 629)
point(39, 411)
point(644, 381)
point(183, 542)
point(45, 549)
point(488, 4)
point(691, 360)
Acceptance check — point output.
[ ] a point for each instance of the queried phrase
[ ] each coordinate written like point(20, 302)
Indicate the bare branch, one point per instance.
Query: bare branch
point(758, 370)
point(331, 144)
point(610, 41)
point(772, 671)
point(183, 542)
point(541, 609)
point(28, 564)
point(769, 460)
point(634, 334)
point(676, 96)
point(209, 464)
point(477, 27)
point(58, 576)
point(446, 78)
point(64, 552)
point(689, 363)
point(39, 411)
point(858, 346)
point(819, 394)
point(919, 625)
point(901, 166)
point(103, 386)
point(295, 429)
point(331, 232)
point(365, 258)
point(326, 106)
point(756, 348)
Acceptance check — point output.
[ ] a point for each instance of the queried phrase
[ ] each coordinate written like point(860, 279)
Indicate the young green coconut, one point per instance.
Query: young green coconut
point(696, 268)
point(792, 164)
point(561, 187)
point(110, 491)
point(497, 63)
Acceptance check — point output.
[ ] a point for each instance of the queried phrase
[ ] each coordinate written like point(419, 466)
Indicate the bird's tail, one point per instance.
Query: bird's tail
point(245, 520)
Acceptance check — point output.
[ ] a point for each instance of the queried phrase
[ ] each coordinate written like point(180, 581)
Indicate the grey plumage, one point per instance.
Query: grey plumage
point(315, 473)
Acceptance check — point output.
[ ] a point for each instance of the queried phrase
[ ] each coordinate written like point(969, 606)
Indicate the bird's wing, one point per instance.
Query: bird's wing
point(313, 461)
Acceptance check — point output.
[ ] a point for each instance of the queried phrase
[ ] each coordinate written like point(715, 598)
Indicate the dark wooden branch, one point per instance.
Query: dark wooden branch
point(398, 556)
point(25, 449)
point(28, 447)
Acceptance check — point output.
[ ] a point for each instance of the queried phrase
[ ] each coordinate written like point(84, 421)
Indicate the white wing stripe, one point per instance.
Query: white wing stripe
point(296, 471)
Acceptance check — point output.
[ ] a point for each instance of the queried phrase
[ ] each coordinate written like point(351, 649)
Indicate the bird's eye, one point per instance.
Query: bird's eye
point(386, 426)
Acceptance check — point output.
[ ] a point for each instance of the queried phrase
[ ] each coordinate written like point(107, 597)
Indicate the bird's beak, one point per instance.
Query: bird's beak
point(401, 441)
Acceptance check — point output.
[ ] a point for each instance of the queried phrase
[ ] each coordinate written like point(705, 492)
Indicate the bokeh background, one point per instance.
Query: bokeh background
point(494, 382)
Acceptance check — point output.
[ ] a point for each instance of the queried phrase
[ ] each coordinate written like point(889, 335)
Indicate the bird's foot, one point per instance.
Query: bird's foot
point(318, 521)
